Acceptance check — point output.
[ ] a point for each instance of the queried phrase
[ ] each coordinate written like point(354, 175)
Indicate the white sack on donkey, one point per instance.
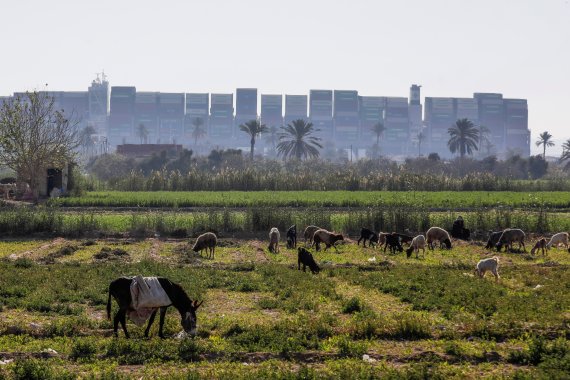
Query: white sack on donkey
point(147, 295)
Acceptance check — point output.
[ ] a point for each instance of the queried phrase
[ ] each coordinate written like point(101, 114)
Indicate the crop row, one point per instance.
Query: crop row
point(439, 200)
point(261, 219)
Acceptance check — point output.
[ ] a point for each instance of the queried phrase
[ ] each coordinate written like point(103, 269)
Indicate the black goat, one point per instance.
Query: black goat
point(393, 241)
point(493, 239)
point(404, 238)
point(366, 234)
point(292, 236)
point(120, 289)
point(304, 257)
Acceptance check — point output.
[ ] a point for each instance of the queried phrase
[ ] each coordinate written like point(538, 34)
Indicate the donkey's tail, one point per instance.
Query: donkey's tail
point(109, 304)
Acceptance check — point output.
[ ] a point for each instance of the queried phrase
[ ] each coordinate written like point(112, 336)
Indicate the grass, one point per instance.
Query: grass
point(414, 318)
point(434, 200)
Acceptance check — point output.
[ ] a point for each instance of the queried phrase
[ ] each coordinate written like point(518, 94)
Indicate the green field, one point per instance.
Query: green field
point(261, 318)
point(432, 200)
point(259, 220)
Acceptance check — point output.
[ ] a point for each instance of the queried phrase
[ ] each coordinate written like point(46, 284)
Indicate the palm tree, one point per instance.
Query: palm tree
point(544, 139)
point(142, 133)
point(253, 128)
point(484, 134)
point(198, 132)
point(421, 137)
point(463, 137)
point(378, 130)
point(566, 154)
point(85, 137)
point(297, 140)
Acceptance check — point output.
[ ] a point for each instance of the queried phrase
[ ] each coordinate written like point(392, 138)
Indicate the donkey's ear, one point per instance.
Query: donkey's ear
point(197, 304)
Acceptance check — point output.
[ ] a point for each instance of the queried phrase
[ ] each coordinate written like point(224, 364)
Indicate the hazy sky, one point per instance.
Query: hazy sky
point(520, 48)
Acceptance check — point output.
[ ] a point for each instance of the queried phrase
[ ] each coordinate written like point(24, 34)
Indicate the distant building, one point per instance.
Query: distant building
point(197, 108)
point(146, 115)
point(371, 110)
point(295, 108)
point(272, 110)
point(516, 124)
point(246, 110)
point(98, 98)
point(340, 117)
point(221, 119)
point(171, 115)
point(346, 118)
point(397, 124)
point(439, 117)
point(121, 118)
point(321, 112)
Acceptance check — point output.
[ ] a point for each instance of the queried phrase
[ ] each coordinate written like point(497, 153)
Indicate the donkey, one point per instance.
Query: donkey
point(120, 289)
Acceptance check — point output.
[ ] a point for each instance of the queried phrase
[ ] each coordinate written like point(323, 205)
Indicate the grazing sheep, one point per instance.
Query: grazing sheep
point(393, 241)
point(417, 243)
point(510, 236)
point(308, 234)
point(382, 238)
point(292, 236)
point(541, 244)
point(304, 257)
point(556, 240)
point(206, 241)
point(324, 236)
point(274, 240)
point(493, 239)
point(491, 264)
point(439, 234)
point(367, 234)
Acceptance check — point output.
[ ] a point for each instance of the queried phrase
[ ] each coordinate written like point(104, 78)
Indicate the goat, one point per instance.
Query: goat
point(439, 234)
point(541, 244)
point(292, 236)
point(417, 243)
point(304, 257)
point(491, 264)
point(120, 290)
point(308, 234)
point(557, 239)
point(493, 239)
point(324, 236)
point(404, 238)
point(508, 237)
point(367, 234)
point(393, 241)
point(206, 241)
point(274, 240)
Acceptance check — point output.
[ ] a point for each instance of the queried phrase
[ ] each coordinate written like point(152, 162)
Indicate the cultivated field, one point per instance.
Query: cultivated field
point(432, 200)
point(365, 315)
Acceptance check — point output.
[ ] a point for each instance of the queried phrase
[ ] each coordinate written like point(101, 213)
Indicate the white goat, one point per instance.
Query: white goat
point(491, 264)
point(417, 243)
point(274, 237)
point(557, 239)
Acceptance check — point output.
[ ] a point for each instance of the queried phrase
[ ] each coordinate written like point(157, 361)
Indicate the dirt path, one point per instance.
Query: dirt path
point(32, 252)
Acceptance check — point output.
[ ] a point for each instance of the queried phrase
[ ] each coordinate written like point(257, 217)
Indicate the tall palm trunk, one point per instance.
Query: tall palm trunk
point(252, 142)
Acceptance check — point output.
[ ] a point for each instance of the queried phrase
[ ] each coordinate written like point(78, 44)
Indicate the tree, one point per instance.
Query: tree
point(421, 137)
point(34, 137)
point(297, 141)
point(544, 139)
point(253, 128)
point(272, 135)
point(463, 137)
point(198, 132)
point(142, 133)
point(484, 139)
point(85, 138)
point(566, 154)
point(378, 130)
